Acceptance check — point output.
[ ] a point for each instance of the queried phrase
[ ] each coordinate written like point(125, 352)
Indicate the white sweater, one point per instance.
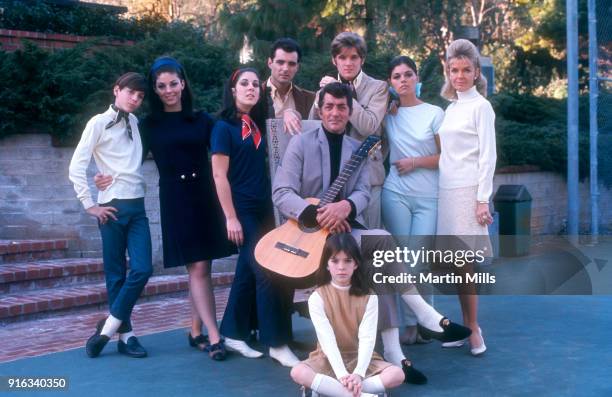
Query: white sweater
point(115, 154)
point(467, 137)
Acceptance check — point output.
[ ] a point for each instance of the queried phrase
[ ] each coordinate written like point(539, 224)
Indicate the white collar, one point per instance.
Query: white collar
point(340, 287)
point(469, 94)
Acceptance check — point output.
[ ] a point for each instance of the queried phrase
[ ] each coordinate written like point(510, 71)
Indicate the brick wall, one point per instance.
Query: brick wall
point(38, 201)
point(11, 40)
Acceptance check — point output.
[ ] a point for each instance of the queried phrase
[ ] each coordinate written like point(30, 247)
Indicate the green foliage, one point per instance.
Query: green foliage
point(57, 92)
point(79, 20)
point(533, 131)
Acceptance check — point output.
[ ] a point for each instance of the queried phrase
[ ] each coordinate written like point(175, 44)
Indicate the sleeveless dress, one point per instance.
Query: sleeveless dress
point(344, 313)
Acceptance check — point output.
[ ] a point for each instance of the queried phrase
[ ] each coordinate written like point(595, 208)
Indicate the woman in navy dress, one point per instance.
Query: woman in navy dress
point(243, 186)
point(193, 231)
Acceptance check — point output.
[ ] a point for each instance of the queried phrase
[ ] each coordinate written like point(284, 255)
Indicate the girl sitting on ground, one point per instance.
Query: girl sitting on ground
point(345, 318)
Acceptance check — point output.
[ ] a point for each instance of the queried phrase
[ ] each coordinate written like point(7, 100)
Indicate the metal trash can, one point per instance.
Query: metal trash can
point(513, 203)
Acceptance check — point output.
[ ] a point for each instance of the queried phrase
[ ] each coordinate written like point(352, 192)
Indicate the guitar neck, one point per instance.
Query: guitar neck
point(347, 171)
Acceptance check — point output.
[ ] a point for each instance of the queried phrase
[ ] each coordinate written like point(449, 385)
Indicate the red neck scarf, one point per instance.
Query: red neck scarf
point(250, 128)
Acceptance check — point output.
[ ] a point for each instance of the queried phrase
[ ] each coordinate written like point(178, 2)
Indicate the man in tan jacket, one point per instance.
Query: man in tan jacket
point(370, 97)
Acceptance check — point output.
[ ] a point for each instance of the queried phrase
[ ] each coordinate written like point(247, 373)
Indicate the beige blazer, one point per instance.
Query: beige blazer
point(305, 172)
point(368, 113)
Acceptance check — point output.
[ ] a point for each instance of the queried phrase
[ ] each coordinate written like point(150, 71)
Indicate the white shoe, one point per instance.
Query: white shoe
point(478, 350)
point(242, 348)
point(457, 343)
point(284, 356)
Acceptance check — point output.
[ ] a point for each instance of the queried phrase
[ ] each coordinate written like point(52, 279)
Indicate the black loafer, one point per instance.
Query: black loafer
point(451, 332)
point(132, 348)
point(96, 342)
point(412, 375)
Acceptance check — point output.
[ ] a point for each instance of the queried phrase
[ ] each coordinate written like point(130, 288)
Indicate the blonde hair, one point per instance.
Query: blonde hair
point(463, 49)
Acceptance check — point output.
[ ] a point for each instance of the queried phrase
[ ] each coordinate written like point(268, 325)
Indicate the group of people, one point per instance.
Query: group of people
point(440, 181)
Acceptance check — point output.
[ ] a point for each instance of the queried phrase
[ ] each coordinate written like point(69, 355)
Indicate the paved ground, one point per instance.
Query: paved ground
point(538, 345)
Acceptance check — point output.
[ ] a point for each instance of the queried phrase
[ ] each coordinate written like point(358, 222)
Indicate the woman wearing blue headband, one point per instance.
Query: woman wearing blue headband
point(193, 231)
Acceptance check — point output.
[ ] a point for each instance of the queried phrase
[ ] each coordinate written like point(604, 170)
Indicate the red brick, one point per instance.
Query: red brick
point(4, 312)
point(29, 308)
point(69, 302)
point(42, 306)
point(56, 303)
point(19, 275)
point(15, 310)
point(32, 274)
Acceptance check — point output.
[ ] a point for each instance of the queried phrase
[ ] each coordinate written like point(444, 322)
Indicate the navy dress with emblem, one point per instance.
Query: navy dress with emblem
point(193, 226)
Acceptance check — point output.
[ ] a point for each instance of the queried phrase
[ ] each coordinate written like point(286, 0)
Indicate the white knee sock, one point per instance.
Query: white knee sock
point(111, 326)
point(373, 385)
point(391, 344)
point(329, 386)
point(124, 337)
point(426, 315)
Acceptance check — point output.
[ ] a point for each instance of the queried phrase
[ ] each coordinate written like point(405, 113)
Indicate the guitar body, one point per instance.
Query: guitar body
point(292, 250)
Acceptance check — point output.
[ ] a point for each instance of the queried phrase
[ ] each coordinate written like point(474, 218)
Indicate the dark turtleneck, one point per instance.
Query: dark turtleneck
point(335, 153)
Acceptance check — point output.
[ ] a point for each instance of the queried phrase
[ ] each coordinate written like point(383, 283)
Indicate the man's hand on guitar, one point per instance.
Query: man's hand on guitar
point(331, 215)
point(234, 231)
point(341, 227)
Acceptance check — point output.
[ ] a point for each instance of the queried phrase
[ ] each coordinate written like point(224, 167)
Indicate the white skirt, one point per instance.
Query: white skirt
point(457, 217)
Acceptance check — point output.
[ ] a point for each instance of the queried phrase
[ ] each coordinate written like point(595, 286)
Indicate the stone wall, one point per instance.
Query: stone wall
point(38, 201)
point(549, 206)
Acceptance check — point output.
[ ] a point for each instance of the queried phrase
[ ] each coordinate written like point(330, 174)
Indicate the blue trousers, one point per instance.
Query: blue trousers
point(130, 231)
point(256, 296)
point(409, 216)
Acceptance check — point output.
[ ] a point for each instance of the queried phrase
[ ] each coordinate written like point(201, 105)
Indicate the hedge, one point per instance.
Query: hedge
point(57, 92)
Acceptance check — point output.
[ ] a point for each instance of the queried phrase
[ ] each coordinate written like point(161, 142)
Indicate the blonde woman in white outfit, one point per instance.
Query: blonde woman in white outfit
point(467, 164)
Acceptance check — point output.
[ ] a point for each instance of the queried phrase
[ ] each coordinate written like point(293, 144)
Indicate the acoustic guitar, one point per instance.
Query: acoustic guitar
point(294, 249)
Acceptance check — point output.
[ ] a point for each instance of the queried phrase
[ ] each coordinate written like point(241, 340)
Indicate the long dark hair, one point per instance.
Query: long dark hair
point(343, 242)
point(166, 64)
point(229, 112)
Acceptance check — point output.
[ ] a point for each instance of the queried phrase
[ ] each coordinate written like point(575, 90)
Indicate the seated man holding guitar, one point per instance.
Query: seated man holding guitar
point(328, 167)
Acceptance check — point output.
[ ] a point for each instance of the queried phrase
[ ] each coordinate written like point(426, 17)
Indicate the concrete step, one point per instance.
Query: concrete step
point(39, 303)
point(28, 276)
point(13, 251)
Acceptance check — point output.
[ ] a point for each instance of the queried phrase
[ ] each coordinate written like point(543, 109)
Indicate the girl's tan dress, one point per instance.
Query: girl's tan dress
point(344, 313)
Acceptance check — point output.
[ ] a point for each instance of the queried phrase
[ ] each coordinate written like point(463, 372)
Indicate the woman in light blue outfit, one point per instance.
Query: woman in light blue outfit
point(410, 192)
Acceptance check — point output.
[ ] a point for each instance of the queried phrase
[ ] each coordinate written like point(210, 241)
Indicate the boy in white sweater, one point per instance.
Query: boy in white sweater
point(112, 138)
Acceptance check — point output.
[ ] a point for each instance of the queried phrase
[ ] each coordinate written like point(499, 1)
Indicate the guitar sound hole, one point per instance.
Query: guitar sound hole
point(308, 229)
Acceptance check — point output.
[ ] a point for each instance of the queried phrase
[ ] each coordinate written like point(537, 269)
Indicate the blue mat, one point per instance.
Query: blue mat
point(537, 345)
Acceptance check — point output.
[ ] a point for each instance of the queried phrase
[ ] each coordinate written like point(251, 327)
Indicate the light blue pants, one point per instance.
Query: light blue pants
point(406, 217)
